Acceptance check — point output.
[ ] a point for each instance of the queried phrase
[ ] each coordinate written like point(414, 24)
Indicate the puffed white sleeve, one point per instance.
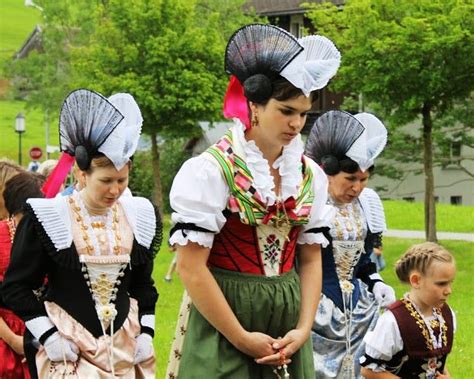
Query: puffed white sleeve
point(382, 343)
point(198, 197)
point(321, 213)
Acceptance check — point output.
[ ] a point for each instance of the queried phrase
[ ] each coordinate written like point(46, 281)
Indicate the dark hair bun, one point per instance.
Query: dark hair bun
point(330, 165)
point(82, 157)
point(258, 88)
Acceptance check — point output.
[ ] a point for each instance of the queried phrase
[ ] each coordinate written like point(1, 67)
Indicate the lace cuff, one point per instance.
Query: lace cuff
point(184, 236)
point(312, 238)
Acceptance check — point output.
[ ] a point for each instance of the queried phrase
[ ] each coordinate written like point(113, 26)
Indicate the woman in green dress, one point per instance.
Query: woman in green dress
point(241, 209)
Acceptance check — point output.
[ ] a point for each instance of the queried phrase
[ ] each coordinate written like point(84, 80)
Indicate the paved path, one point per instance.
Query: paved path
point(421, 234)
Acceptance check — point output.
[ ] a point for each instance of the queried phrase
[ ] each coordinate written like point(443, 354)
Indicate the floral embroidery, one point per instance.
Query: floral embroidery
point(430, 369)
point(271, 250)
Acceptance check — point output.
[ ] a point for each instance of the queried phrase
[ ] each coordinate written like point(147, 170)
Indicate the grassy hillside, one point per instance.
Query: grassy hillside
point(35, 131)
point(16, 24)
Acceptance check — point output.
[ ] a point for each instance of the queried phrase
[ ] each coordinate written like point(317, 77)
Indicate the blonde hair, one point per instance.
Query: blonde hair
point(419, 258)
point(102, 161)
point(47, 167)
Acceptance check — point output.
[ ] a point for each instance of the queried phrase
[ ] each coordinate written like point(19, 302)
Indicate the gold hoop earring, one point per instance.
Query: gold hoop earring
point(254, 122)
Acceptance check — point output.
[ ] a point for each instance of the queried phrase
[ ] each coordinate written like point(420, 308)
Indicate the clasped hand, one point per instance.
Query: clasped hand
point(269, 351)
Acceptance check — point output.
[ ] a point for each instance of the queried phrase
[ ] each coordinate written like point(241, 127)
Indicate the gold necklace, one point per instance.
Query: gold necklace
point(84, 228)
point(427, 327)
point(11, 228)
point(349, 225)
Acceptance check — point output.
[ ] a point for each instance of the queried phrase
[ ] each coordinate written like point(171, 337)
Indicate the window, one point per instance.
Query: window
point(456, 200)
point(296, 29)
point(455, 150)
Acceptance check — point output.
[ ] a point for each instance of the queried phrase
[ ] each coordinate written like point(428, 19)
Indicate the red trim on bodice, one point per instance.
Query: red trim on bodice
point(236, 248)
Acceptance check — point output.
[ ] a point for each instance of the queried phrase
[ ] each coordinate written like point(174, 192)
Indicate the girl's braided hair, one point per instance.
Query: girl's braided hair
point(420, 257)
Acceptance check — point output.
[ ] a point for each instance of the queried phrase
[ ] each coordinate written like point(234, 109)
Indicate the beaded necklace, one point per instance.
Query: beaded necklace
point(110, 225)
point(345, 222)
point(11, 228)
point(426, 326)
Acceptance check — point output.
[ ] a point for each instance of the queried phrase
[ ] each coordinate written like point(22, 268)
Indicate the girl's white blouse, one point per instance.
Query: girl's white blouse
point(199, 193)
point(385, 340)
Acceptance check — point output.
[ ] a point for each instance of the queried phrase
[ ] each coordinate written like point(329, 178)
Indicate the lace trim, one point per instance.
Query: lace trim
point(141, 216)
point(288, 164)
point(373, 210)
point(53, 214)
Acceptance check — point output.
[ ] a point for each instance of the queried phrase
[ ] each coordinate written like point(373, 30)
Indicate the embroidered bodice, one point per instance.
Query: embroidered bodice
point(345, 260)
point(104, 243)
point(270, 239)
point(349, 222)
point(348, 230)
point(87, 277)
point(245, 167)
point(408, 344)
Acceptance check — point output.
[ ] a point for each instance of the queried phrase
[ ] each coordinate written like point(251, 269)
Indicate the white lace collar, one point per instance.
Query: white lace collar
point(288, 165)
point(53, 214)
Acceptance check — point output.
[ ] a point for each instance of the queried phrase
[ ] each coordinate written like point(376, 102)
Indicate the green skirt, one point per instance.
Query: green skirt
point(270, 305)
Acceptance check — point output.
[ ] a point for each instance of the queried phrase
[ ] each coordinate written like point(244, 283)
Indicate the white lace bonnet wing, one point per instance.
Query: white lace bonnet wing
point(123, 141)
point(371, 143)
point(315, 65)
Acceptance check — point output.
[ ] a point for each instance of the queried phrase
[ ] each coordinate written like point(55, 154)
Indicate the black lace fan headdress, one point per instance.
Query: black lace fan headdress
point(331, 137)
point(257, 52)
point(86, 121)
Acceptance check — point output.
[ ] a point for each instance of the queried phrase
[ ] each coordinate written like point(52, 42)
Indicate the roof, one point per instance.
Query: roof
point(283, 7)
point(33, 42)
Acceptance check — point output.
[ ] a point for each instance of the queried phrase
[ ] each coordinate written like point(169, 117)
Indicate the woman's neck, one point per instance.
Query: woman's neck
point(269, 150)
point(91, 209)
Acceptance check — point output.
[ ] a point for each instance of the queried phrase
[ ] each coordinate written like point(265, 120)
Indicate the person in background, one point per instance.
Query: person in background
point(17, 190)
point(8, 169)
point(96, 248)
point(254, 198)
point(414, 337)
point(77, 183)
point(172, 266)
point(46, 167)
point(346, 146)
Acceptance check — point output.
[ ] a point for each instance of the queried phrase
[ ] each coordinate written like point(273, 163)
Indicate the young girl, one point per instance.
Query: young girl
point(415, 337)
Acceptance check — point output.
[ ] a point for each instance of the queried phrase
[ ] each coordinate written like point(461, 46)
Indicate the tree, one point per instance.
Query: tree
point(44, 77)
point(412, 59)
point(167, 53)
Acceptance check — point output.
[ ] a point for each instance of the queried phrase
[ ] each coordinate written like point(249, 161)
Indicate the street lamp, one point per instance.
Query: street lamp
point(19, 128)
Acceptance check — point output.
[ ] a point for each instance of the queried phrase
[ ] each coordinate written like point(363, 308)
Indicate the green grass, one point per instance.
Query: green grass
point(459, 362)
point(16, 24)
point(35, 134)
point(410, 216)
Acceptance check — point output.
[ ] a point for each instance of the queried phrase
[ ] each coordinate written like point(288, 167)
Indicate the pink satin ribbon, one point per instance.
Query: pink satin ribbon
point(235, 103)
point(53, 184)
